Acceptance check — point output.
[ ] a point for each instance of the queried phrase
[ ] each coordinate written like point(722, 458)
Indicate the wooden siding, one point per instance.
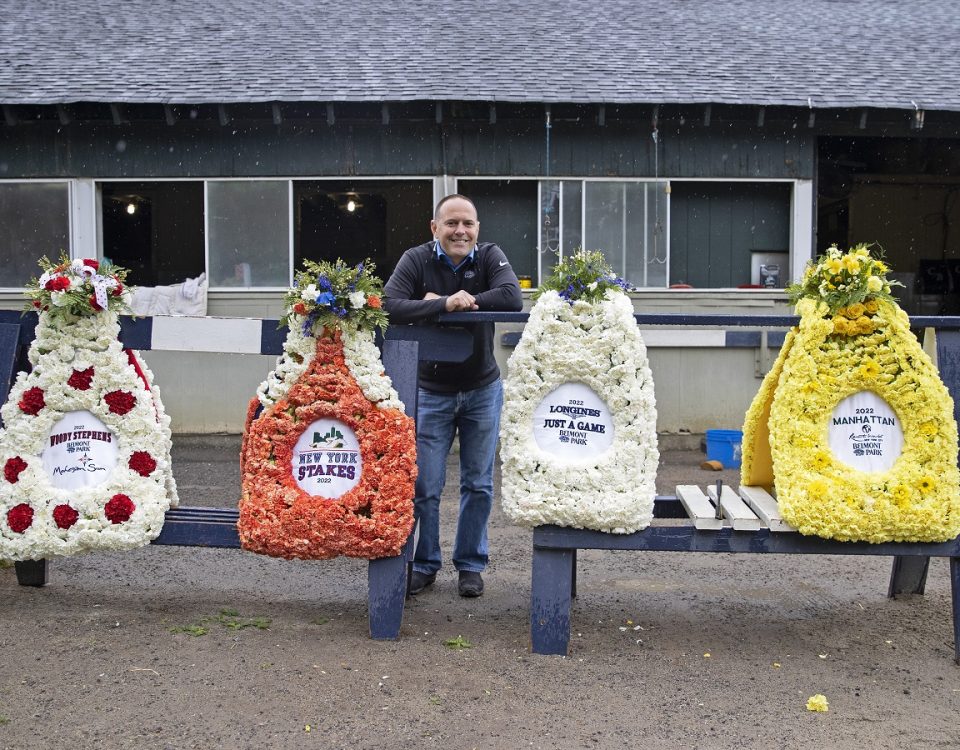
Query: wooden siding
point(146, 149)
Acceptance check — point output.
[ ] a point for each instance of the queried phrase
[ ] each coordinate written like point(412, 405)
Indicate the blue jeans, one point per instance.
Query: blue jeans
point(476, 416)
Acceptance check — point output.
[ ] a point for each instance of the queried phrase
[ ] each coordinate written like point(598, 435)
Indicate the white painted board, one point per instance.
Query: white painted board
point(765, 506)
point(698, 507)
point(735, 510)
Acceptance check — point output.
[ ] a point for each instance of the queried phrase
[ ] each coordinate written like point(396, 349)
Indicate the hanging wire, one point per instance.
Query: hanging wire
point(657, 227)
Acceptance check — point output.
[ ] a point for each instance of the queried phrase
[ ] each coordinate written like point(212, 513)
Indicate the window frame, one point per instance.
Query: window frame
point(71, 218)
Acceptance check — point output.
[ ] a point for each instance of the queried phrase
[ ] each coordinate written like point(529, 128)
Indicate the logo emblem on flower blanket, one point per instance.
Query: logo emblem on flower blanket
point(81, 451)
point(865, 433)
point(573, 422)
point(326, 459)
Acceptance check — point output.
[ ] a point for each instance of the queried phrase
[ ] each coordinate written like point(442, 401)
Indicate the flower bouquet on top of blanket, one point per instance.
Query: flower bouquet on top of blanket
point(85, 442)
point(328, 459)
point(852, 426)
point(579, 440)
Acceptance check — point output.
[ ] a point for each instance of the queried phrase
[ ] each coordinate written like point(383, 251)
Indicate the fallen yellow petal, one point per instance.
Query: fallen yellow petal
point(776, 665)
point(818, 703)
point(306, 728)
point(706, 656)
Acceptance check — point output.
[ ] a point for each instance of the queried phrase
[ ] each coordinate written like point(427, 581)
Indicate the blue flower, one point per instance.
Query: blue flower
point(326, 298)
point(324, 283)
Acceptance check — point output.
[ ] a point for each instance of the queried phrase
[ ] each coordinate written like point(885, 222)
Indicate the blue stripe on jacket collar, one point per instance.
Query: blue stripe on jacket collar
point(443, 257)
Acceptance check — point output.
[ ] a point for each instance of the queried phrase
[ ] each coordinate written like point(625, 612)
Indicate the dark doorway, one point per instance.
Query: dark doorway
point(902, 195)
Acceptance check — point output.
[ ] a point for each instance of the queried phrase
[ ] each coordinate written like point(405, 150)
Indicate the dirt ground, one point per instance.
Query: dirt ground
point(168, 647)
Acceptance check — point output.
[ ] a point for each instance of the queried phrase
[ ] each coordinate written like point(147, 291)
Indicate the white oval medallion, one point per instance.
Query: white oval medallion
point(80, 452)
point(865, 432)
point(573, 422)
point(326, 459)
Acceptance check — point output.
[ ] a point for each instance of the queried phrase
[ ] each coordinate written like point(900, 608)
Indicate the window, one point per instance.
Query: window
point(626, 221)
point(155, 229)
point(719, 229)
point(249, 233)
point(34, 221)
point(538, 221)
point(358, 219)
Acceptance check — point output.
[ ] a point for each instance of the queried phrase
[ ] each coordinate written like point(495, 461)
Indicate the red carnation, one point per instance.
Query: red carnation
point(57, 284)
point(300, 308)
point(374, 301)
point(80, 379)
point(118, 289)
point(12, 469)
point(65, 516)
point(95, 265)
point(120, 402)
point(37, 303)
point(19, 517)
point(142, 463)
point(119, 508)
point(93, 302)
point(32, 401)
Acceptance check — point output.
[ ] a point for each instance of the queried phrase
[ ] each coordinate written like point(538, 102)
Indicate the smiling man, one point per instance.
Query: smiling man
point(455, 273)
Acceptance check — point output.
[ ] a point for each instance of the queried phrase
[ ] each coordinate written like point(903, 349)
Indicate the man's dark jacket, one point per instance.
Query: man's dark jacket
point(488, 277)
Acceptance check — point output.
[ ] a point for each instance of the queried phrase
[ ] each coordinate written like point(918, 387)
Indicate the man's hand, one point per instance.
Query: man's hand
point(459, 302)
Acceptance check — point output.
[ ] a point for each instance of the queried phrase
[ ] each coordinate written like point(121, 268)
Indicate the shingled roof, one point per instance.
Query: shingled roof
point(815, 53)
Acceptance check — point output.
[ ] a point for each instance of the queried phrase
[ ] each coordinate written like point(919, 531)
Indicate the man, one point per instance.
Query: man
point(454, 273)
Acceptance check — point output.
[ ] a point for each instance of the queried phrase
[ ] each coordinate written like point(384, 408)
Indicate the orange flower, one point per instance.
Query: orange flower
point(374, 518)
point(374, 301)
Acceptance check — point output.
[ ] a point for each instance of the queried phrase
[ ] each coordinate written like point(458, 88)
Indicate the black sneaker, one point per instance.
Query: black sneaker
point(420, 581)
point(471, 583)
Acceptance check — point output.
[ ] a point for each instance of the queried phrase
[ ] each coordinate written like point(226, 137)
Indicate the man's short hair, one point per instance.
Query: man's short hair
point(452, 196)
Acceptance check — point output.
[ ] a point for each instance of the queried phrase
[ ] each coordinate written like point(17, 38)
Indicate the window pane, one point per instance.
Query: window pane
point(625, 220)
point(249, 233)
point(354, 220)
point(550, 217)
point(155, 229)
point(572, 216)
point(34, 221)
point(605, 222)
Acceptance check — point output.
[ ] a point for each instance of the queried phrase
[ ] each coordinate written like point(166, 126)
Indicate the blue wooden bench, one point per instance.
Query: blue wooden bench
point(554, 564)
point(217, 527)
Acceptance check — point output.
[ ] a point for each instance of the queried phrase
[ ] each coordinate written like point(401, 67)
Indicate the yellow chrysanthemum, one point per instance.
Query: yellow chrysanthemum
point(821, 460)
point(818, 488)
point(927, 484)
point(869, 369)
point(928, 429)
point(901, 496)
point(818, 703)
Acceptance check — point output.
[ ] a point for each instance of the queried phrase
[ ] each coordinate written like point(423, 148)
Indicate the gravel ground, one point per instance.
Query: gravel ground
point(170, 647)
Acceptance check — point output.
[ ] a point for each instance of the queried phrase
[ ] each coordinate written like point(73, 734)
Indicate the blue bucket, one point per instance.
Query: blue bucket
point(724, 446)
